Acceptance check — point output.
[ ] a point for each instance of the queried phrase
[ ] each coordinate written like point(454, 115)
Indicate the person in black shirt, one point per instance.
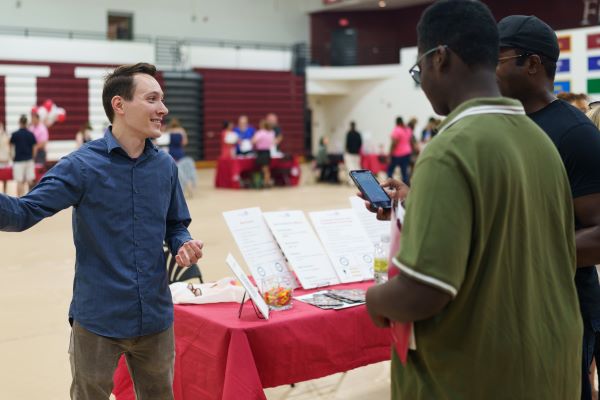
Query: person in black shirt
point(352, 154)
point(23, 142)
point(526, 67)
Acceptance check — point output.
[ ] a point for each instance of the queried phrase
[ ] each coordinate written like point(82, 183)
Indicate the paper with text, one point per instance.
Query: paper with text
point(346, 242)
point(302, 248)
point(372, 226)
point(257, 245)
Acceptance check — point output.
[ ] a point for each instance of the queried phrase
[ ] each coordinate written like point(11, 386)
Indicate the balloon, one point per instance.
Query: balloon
point(49, 113)
point(48, 105)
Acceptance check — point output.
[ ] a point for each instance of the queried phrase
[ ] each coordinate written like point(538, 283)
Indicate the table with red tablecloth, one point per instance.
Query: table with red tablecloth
point(373, 163)
point(230, 171)
point(219, 356)
point(7, 175)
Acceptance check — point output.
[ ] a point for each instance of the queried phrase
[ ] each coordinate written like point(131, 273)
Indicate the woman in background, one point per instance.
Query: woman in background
point(84, 135)
point(228, 140)
point(4, 151)
point(178, 139)
point(263, 140)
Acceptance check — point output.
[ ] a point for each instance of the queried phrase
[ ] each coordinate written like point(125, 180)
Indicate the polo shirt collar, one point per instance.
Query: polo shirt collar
point(477, 102)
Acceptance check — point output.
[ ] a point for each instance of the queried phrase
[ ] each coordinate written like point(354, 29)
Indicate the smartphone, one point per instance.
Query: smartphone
point(368, 185)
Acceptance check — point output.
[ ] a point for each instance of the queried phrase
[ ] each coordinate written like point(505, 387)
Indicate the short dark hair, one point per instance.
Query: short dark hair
point(399, 121)
point(120, 83)
point(547, 62)
point(23, 120)
point(467, 27)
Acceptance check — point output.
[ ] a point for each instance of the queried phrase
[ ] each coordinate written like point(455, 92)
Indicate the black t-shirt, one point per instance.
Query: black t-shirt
point(353, 142)
point(578, 142)
point(23, 140)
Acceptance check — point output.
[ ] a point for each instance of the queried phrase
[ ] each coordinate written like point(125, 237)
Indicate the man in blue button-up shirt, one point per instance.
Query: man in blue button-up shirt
point(126, 200)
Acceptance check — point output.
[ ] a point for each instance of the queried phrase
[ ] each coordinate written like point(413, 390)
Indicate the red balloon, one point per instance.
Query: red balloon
point(48, 104)
point(61, 117)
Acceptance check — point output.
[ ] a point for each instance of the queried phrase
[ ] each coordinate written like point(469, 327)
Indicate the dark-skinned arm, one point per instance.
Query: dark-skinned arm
point(587, 240)
point(404, 299)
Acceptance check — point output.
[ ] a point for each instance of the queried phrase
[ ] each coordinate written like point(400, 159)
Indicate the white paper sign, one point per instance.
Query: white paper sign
point(302, 248)
point(257, 245)
point(250, 289)
point(348, 246)
point(372, 226)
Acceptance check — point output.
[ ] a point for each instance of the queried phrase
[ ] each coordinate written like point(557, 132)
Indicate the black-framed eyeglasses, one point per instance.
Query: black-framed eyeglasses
point(415, 70)
point(502, 59)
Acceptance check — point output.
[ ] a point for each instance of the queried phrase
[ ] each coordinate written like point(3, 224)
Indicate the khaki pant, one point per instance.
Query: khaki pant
point(150, 360)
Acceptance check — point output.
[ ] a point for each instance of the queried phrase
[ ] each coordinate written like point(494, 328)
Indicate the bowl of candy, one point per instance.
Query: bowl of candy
point(277, 293)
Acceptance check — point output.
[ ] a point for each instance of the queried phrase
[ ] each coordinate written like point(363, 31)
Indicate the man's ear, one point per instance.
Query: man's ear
point(117, 103)
point(441, 58)
point(534, 64)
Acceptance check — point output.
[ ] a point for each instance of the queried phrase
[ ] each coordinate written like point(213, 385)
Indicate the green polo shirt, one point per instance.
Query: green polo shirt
point(489, 220)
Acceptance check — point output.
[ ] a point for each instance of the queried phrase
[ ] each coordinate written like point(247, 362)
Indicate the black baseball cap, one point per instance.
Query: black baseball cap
point(528, 33)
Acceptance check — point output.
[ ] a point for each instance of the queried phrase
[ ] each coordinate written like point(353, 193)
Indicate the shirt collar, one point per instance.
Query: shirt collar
point(480, 101)
point(112, 143)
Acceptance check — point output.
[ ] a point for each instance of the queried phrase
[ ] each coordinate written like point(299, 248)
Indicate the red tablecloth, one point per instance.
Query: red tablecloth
point(231, 170)
point(6, 173)
point(219, 356)
point(372, 163)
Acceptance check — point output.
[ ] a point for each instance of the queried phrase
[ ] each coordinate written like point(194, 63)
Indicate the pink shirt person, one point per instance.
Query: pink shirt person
point(41, 134)
point(402, 136)
point(264, 139)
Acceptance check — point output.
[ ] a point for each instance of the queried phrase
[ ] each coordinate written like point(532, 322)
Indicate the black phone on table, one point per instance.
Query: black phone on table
point(370, 188)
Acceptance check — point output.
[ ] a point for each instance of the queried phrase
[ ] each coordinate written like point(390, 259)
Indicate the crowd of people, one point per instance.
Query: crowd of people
point(243, 140)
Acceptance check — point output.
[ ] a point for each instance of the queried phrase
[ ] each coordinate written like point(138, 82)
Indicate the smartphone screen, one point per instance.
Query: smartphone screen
point(369, 186)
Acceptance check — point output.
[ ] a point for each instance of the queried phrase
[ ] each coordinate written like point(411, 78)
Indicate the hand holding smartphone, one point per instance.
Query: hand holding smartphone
point(370, 188)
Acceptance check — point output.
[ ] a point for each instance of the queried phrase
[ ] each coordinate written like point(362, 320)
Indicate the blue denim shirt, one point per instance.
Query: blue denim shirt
point(123, 209)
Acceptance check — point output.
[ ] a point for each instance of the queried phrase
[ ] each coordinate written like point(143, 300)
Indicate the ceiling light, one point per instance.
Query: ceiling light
point(382, 3)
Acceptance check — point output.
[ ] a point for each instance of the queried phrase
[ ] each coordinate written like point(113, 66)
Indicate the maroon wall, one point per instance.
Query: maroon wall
point(64, 89)
point(381, 33)
point(230, 93)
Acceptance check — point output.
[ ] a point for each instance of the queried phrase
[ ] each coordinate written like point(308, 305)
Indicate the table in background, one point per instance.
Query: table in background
point(231, 171)
point(7, 175)
point(373, 163)
point(219, 356)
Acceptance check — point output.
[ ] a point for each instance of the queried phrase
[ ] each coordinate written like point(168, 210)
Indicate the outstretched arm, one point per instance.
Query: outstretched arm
point(60, 188)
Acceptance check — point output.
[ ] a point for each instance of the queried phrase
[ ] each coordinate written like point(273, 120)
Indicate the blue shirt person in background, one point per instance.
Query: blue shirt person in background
point(245, 133)
point(126, 200)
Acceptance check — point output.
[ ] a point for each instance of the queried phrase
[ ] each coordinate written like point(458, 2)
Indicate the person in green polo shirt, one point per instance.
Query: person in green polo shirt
point(487, 256)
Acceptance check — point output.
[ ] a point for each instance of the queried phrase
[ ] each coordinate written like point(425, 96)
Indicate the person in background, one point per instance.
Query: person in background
point(40, 132)
point(84, 135)
point(178, 139)
point(4, 152)
point(414, 144)
point(594, 115)
point(486, 263)
point(577, 100)
point(245, 133)
point(429, 131)
point(263, 140)
point(23, 147)
point(126, 201)
point(228, 140)
point(328, 171)
point(273, 121)
point(526, 69)
point(400, 150)
point(352, 153)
